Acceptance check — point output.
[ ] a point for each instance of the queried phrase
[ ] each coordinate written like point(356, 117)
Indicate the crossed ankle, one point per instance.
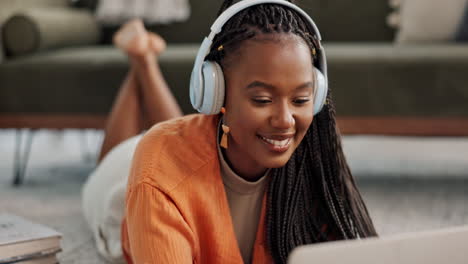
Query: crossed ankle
point(146, 60)
point(133, 39)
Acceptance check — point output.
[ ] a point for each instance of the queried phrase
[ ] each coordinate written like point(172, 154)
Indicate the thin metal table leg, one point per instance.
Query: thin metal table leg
point(21, 159)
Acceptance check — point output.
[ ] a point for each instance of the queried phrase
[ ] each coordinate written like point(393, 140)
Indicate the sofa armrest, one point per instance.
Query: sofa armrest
point(36, 29)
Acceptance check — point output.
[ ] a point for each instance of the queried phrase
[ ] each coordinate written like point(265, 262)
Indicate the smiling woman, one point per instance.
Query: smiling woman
point(269, 102)
point(259, 173)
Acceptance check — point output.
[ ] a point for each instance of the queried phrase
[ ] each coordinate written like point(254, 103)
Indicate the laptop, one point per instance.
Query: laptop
point(448, 245)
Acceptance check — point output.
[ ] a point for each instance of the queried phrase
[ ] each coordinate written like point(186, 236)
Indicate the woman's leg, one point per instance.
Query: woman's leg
point(144, 99)
point(125, 119)
point(157, 100)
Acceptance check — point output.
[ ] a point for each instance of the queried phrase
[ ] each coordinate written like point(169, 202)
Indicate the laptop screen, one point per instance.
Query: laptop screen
point(449, 245)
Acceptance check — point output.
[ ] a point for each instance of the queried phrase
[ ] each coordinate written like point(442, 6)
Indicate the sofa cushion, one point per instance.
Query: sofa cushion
point(349, 21)
point(34, 29)
point(366, 79)
point(81, 80)
point(392, 80)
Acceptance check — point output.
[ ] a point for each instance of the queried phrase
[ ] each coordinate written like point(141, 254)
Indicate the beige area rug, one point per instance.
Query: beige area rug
point(402, 202)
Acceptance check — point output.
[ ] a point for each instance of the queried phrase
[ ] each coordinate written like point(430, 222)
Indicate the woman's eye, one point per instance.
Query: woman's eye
point(301, 101)
point(261, 101)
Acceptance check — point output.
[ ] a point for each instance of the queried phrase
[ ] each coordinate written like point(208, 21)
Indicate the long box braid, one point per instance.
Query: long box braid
point(314, 197)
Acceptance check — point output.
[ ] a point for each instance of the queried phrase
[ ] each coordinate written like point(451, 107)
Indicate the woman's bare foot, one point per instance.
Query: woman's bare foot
point(149, 58)
point(156, 44)
point(132, 38)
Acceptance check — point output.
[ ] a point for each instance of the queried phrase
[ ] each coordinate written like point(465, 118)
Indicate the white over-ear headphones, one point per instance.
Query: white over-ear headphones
point(207, 79)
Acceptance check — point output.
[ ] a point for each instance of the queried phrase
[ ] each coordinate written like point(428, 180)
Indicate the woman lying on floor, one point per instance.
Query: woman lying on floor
point(259, 173)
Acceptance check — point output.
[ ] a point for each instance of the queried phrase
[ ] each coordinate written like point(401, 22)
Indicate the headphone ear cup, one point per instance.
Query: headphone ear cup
point(220, 89)
point(321, 91)
point(213, 88)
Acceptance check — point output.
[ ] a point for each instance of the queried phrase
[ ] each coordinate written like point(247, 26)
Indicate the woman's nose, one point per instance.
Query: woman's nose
point(283, 117)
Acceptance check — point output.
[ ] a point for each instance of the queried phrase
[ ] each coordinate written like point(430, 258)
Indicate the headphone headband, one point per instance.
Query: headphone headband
point(197, 82)
point(241, 5)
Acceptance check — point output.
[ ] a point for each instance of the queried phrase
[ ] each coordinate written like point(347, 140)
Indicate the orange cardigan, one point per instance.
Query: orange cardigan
point(176, 206)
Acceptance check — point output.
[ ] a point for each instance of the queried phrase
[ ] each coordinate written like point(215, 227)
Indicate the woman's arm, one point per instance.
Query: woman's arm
point(157, 231)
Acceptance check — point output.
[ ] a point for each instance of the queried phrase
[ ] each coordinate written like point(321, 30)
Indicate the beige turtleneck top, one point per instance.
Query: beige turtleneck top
point(245, 203)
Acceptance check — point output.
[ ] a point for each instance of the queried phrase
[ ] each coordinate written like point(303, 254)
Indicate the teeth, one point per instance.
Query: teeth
point(279, 143)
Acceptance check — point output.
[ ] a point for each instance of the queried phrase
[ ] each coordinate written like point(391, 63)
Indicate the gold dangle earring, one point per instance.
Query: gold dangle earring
point(226, 129)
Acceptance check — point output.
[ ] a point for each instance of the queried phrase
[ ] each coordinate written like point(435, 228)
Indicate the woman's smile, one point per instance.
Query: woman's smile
point(269, 102)
point(277, 143)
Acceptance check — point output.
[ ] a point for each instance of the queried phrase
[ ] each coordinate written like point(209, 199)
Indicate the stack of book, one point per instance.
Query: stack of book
point(24, 242)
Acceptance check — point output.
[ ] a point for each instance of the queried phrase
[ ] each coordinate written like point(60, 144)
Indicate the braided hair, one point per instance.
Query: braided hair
point(313, 198)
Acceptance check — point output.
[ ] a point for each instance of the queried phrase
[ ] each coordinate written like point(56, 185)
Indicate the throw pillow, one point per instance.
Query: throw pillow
point(9, 7)
point(426, 20)
point(37, 29)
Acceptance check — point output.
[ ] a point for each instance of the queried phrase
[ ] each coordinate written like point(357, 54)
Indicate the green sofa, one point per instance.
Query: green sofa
point(379, 87)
